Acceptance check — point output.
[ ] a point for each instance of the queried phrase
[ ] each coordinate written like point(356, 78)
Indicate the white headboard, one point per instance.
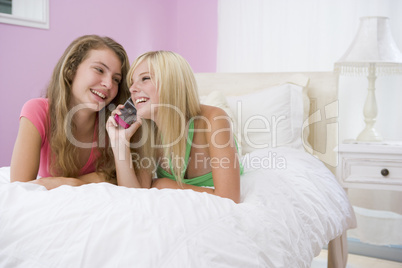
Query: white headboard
point(322, 91)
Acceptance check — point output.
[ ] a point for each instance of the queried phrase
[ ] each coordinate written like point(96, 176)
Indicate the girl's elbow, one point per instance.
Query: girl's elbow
point(14, 178)
point(235, 197)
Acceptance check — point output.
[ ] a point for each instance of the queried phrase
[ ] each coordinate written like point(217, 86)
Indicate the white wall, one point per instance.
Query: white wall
point(311, 35)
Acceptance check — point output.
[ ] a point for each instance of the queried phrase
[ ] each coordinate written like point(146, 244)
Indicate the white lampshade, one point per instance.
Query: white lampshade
point(373, 43)
point(373, 52)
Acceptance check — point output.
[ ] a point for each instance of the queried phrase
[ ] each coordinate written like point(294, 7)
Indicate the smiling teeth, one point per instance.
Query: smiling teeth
point(141, 100)
point(98, 93)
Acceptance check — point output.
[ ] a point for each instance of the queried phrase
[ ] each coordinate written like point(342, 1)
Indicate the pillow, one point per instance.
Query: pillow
point(271, 117)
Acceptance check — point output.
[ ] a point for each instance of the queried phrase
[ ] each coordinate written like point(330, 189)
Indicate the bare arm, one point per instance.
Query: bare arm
point(120, 143)
point(54, 182)
point(26, 157)
point(224, 158)
point(26, 154)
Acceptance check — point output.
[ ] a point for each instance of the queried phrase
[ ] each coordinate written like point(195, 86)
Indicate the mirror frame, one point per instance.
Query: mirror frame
point(21, 21)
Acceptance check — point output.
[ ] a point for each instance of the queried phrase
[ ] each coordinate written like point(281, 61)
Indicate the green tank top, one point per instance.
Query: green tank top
point(203, 180)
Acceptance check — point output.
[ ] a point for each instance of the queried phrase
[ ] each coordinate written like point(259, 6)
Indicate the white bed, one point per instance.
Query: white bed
point(288, 212)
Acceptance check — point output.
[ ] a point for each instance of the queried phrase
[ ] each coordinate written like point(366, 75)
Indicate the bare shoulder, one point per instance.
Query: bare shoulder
point(213, 113)
point(215, 118)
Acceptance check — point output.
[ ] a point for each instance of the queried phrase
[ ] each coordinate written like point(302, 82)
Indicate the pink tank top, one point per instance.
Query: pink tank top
point(36, 111)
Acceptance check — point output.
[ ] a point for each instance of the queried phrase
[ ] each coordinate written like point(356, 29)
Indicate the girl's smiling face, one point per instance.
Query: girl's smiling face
point(97, 79)
point(144, 92)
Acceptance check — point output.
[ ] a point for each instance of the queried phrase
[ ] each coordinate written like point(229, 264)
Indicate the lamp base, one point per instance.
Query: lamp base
point(369, 134)
point(370, 109)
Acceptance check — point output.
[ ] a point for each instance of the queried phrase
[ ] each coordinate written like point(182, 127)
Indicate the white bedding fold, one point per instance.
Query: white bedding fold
point(285, 218)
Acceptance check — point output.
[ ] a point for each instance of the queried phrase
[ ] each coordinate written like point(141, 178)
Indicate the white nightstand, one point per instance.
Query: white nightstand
point(366, 166)
point(376, 166)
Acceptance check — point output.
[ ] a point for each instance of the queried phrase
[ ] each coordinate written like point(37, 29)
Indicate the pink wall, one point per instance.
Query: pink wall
point(28, 55)
point(197, 33)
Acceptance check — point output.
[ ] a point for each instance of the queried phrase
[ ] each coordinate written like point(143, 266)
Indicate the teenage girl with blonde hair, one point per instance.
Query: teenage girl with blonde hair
point(62, 137)
point(189, 145)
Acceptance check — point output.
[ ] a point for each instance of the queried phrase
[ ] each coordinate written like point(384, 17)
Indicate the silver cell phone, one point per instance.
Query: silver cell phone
point(128, 114)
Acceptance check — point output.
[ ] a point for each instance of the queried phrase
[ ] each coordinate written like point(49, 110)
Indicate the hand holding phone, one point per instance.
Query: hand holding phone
point(128, 114)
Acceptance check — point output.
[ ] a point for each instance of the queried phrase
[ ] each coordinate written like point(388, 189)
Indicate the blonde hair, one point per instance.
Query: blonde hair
point(64, 160)
point(178, 104)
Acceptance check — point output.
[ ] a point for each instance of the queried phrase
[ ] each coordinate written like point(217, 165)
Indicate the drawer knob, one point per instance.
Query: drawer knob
point(384, 172)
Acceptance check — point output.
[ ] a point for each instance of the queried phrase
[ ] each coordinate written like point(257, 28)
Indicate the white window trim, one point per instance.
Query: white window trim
point(42, 23)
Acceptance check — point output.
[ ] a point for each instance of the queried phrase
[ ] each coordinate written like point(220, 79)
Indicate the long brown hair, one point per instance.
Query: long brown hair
point(64, 160)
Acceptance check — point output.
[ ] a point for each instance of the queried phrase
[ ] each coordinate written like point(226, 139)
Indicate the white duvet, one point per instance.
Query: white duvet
point(286, 216)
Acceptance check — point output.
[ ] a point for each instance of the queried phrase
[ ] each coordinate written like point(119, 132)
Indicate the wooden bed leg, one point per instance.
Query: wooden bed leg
point(338, 252)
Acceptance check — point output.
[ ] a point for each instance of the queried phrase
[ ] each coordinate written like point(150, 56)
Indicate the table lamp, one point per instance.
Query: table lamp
point(372, 53)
